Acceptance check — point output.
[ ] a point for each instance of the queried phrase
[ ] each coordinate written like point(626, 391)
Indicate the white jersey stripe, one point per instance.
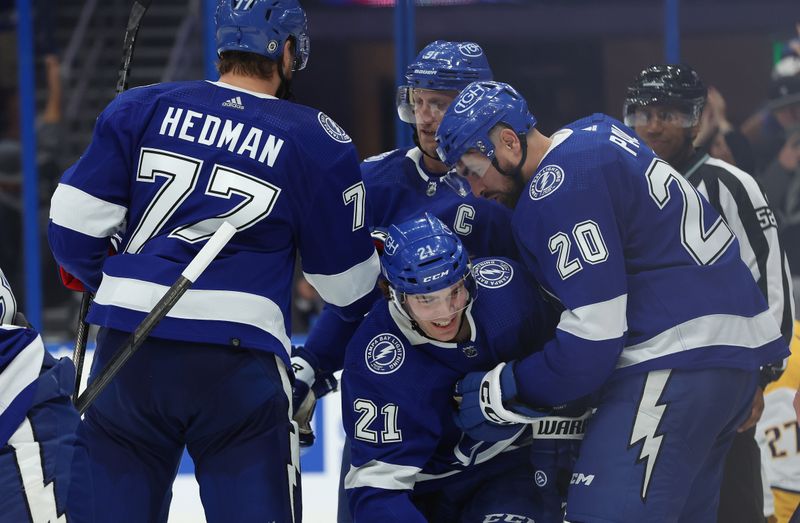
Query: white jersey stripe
point(211, 305)
point(40, 496)
point(605, 320)
point(379, 474)
point(705, 331)
point(346, 287)
point(97, 218)
point(293, 467)
point(21, 372)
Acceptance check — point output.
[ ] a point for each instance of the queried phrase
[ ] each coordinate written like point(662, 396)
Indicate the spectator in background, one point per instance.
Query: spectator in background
point(49, 154)
point(719, 137)
point(49, 140)
point(779, 178)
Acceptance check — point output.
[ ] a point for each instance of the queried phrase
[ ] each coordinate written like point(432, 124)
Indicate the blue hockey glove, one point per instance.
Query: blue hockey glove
point(305, 392)
point(482, 414)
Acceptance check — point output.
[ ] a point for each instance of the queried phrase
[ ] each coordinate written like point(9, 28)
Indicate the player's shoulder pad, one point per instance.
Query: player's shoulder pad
point(313, 126)
point(138, 101)
point(390, 163)
point(580, 149)
point(150, 93)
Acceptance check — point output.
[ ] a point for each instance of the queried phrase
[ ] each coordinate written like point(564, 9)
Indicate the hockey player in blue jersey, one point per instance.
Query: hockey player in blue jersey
point(406, 182)
point(442, 318)
point(662, 318)
point(168, 163)
point(38, 449)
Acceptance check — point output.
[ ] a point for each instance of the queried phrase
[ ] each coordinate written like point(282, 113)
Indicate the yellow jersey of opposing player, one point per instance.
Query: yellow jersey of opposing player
point(781, 435)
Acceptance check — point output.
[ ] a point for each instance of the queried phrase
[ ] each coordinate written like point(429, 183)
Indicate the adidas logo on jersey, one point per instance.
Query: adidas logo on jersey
point(235, 102)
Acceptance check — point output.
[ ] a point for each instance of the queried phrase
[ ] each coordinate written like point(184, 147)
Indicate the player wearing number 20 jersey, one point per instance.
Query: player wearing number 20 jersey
point(662, 318)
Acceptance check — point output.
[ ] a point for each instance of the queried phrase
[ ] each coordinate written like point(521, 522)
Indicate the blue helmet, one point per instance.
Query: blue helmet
point(442, 66)
point(262, 27)
point(473, 114)
point(448, 66)
point(422, 256)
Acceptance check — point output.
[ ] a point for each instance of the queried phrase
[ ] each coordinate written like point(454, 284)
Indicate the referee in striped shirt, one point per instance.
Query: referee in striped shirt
point(664, 106)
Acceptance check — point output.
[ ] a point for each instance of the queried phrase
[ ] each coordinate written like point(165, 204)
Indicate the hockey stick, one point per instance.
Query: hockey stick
point(134, 21)
point(80, 343)
point(138, 10)
point(164, 305)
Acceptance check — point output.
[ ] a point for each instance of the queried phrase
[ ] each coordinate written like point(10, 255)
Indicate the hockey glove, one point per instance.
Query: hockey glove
point(307, 388)
point(74, 284)
point(70, 281)
point(483, 413)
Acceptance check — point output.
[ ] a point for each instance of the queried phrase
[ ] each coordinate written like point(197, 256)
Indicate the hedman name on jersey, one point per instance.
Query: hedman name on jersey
point(221, 133)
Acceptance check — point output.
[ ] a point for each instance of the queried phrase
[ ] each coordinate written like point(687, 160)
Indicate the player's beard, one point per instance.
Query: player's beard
point(517, 185)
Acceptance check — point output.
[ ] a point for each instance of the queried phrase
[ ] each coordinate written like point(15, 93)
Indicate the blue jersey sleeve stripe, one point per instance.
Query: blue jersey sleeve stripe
point(79, 211)
point(382, 475)
point(604, 320)
point(702, 332)
point(349, 286)
point(197, 304)
point(22, 371)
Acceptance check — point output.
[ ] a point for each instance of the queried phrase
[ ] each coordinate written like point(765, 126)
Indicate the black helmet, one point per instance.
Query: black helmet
point(667, 84)
point(783, 91)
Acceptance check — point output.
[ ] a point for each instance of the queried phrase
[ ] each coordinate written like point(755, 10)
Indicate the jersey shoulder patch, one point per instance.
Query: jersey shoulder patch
point(385, 353)
point(546, 181)
point(492, 273)
point(332, 128)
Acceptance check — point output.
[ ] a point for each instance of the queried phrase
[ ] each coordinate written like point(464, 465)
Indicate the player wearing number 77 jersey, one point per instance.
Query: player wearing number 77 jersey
point(662, 318)
point(167, 165)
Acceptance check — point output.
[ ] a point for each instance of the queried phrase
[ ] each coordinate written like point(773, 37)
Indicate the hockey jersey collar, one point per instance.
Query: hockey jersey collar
point(697, 159)
point(404, 324)
point(242, 90)
point(557, 139)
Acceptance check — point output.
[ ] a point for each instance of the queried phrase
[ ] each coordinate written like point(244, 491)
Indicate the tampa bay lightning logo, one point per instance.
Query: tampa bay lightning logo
point(470, 49)
point(385, 353)
point(333, 129)
point(540, 477)
point(493, 273)
point(468, 98)
point(546, 181)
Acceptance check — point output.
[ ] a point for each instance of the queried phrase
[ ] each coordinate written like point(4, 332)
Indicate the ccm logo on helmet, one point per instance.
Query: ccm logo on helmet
point(435, 277)
point(469, 98)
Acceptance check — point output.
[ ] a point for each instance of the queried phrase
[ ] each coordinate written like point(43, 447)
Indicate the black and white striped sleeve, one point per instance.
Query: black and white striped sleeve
point(744, 207)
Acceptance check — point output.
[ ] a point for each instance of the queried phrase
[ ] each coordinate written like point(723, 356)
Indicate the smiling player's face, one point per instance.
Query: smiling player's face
point(440, 314)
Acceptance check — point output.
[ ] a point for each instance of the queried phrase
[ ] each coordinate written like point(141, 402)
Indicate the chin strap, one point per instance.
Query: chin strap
point(516, 172)
point(415, 136)
point(284, 91)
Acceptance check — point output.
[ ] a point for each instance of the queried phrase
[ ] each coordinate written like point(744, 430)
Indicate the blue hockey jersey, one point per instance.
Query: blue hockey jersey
point(21, 356)
point(398, 189)
point(649, 274)
point(167, 164)
point(397, 388)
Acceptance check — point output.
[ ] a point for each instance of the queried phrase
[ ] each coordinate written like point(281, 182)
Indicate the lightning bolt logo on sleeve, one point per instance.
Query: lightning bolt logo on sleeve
point(645, 425)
